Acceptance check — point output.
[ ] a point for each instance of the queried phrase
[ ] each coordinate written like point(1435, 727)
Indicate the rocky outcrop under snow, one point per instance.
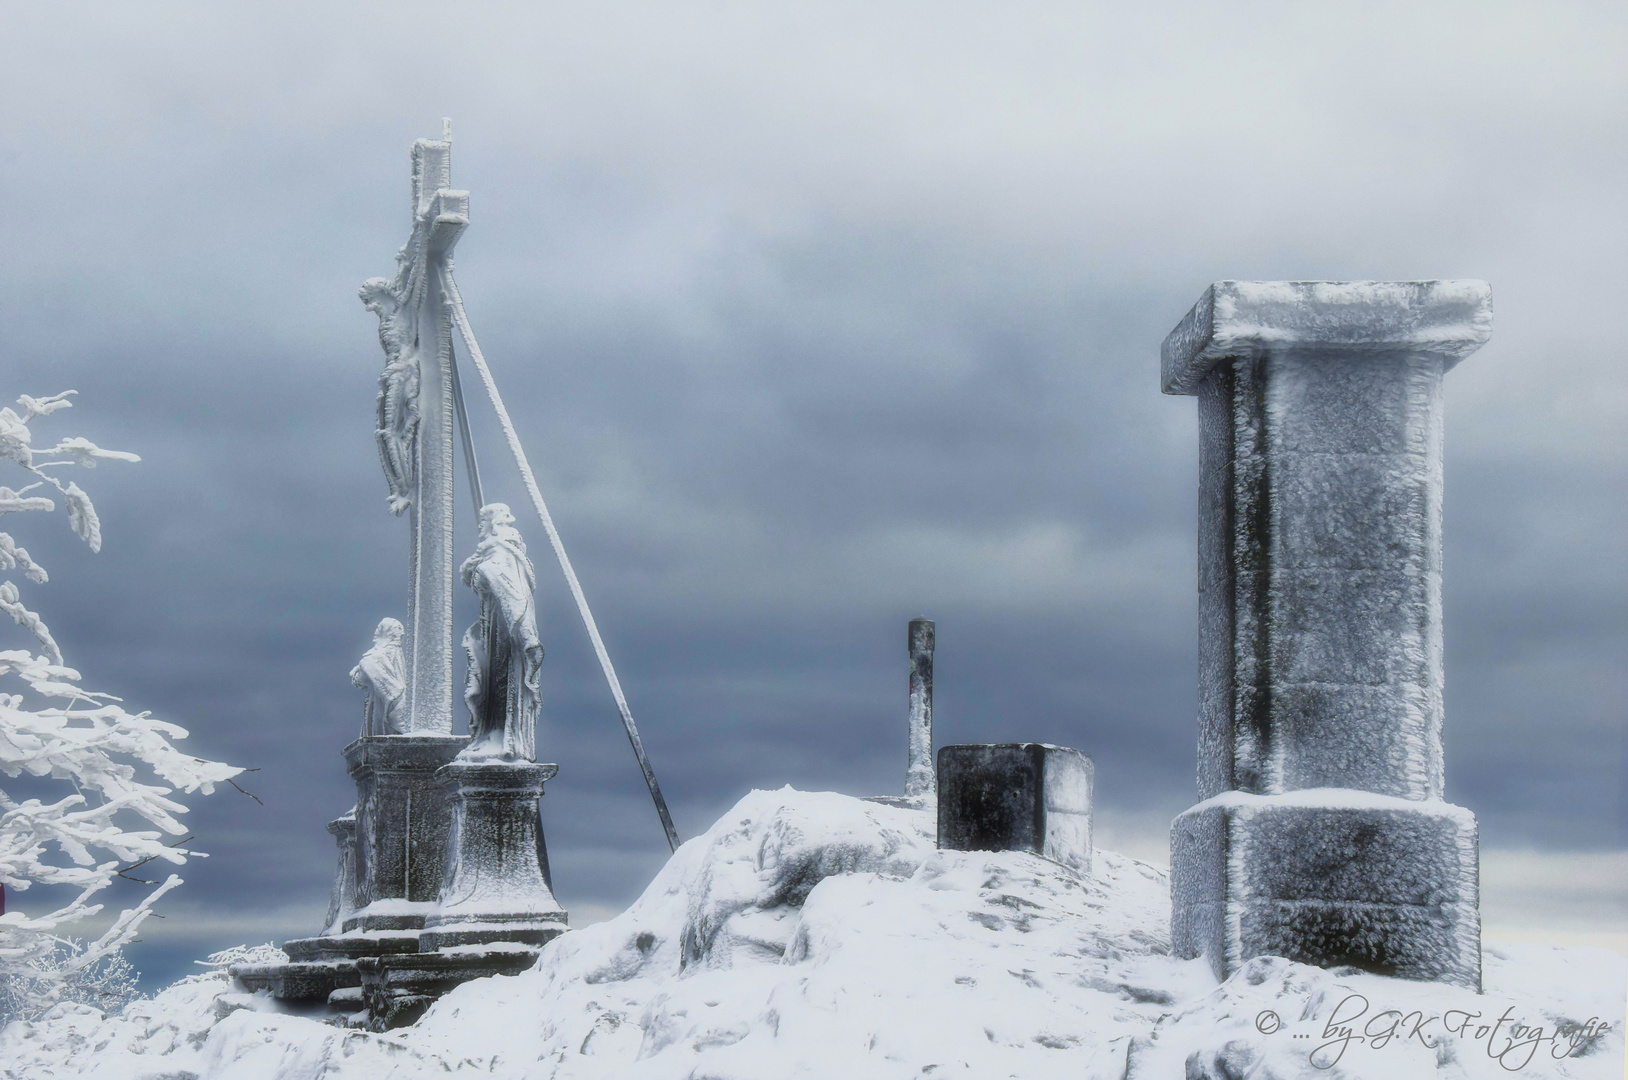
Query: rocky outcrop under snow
point(816, 935)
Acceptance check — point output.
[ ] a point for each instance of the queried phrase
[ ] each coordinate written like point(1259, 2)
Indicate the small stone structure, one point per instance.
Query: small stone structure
point(1322, 835)
point(1016, 797)
point(443, 871)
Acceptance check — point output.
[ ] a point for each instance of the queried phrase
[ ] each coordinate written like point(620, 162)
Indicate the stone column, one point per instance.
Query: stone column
point(1322, 835)
point(343, 899)
point(920, 780)
point(493, 888)
point(402, 818)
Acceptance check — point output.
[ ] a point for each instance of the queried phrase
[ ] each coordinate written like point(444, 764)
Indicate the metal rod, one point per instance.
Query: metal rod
point(469, 444)
point(461, 320)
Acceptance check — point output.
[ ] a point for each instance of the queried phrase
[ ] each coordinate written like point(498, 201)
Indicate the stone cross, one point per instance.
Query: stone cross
point(1323, 836)
point(415, 433)
point(920, 780)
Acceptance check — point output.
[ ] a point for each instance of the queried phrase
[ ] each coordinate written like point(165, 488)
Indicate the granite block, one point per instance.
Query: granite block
point(1016, 797)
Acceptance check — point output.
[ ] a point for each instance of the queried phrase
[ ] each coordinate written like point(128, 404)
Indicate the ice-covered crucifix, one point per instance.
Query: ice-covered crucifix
point(415, 421)
point(420, 397)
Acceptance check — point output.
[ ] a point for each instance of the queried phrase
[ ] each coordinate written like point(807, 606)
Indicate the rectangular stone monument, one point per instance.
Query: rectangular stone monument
point(1016, 797)
point(1323, 836)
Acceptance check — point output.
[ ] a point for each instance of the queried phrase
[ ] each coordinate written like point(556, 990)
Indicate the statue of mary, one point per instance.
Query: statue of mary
point(505, 652)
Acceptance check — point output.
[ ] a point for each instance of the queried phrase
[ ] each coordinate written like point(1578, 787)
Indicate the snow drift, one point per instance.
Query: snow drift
point(816, 935)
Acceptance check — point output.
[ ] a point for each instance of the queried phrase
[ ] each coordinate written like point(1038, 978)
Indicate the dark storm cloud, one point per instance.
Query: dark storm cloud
point(811, 322)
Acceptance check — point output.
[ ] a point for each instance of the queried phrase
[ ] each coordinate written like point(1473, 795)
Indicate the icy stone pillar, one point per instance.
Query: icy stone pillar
point(1323, 836)
point(920, 781)
point(343, 899)
point(493, 888)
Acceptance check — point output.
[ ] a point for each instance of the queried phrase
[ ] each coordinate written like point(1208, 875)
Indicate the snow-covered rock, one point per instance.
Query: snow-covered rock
point(815, 935)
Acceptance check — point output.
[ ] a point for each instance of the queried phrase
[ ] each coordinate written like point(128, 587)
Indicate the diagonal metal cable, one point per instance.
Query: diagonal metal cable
point(461, 320)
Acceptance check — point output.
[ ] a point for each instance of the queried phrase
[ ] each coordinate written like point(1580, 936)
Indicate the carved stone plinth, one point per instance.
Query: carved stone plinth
point(493, 889)
point(403, 816)
point(1320, 636)
point(1016, 797)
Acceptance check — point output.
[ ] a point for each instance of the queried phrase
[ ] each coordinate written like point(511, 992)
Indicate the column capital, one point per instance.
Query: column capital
point(1246, 319)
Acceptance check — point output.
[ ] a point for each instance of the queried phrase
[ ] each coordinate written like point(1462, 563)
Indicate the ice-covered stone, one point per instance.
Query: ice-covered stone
point(493, 889)
point(920, 777)
point(343, 899)
point(1016, 797)
point(1320, 660)
point(1329, 876)
point(920, 780)
point(403, 813)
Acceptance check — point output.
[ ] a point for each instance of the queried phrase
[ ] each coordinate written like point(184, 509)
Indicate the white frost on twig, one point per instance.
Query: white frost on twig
point(56, 730)
point(82, 516)
point(84, 452)
point(14, 556)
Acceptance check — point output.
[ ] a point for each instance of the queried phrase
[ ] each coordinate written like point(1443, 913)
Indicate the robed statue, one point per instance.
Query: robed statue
point(505, 652)
point(383, 674)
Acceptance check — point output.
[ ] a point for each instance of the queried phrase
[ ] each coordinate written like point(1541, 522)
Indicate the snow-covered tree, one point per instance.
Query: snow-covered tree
point(120, 771)
point(108, 983)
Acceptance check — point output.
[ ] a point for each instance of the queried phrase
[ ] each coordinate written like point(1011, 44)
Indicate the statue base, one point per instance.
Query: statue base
point(495, 889)
point(402, 819)
point(1331, 877)
point(400, 849)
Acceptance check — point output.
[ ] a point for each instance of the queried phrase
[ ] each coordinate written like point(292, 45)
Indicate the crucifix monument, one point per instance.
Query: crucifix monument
point(415, 425)
point(443, 871)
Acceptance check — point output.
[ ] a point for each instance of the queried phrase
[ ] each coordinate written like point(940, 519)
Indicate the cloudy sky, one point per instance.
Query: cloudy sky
point(813, 318)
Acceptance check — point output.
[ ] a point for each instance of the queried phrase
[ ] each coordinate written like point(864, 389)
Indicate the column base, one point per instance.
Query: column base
point(1332, 877)
point(494, 890)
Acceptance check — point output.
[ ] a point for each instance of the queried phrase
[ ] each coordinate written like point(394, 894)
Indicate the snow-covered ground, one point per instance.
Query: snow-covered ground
point(816, 935)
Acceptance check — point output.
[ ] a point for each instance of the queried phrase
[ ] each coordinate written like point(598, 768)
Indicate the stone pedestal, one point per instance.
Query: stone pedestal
point(1331, 877)
point(390, 881)
point(1320, 664)
point(493, 889)
point(403, 815)
point(342, 901)
point(1016, 797)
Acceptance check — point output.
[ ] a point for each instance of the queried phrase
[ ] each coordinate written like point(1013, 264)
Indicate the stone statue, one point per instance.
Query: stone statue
point(397, 432)
point(505, 652)
point(382, 673)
